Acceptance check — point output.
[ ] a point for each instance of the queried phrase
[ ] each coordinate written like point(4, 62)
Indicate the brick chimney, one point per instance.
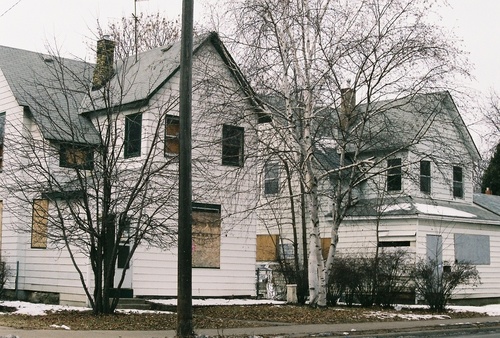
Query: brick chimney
point(103, 70)
point(488, 191)
point(347, 104)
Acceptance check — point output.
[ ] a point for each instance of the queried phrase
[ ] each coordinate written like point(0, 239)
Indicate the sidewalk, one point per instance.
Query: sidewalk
point(325, 330)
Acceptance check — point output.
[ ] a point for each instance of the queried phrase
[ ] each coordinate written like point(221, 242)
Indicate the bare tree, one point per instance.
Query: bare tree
point(329, 63)
point(96, 155)
point(141, 33)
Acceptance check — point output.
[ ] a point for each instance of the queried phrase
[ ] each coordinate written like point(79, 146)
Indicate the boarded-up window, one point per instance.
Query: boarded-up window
point(172, 128)
point(267, 247)
point(75, 156)
point(325, 247)
point(206, 235)
point(39, 223)
point(472, 249)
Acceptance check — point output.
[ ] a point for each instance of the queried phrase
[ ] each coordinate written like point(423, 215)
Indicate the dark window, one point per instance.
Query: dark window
point(123, 253)
point(133, 129)
point(394, 174)
point(172, 135)
point(392, 244)
point(271, 178)
point(76, 156)
point(458, 184)
point(425, 177)
point(232, 145)
point(2, 134)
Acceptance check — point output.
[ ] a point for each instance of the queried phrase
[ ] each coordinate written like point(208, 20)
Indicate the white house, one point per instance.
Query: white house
point(52, 125)
point(417, 195)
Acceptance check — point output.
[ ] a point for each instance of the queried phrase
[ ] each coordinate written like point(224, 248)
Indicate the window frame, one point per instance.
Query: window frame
point(172, 146)
point(206, 244)
point(458, 182)
point(425, 176)
point(271, 182)
point(2, 137)
point(65, 162)
point(394, 175)
point(132, 144)
point(39, 223)
point(233, 149)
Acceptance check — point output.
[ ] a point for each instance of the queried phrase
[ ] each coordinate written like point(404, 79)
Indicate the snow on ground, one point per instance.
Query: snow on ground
point(41, 309)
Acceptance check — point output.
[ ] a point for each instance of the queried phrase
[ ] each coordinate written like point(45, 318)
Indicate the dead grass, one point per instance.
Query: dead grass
point(215, 317)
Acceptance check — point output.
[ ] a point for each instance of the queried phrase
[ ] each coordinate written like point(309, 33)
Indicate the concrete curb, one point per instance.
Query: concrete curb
point(367, 329)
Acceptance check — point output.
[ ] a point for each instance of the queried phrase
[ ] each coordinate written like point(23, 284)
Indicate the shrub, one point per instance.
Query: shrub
point(369, 280)
point(436, 286)
point(4, 276)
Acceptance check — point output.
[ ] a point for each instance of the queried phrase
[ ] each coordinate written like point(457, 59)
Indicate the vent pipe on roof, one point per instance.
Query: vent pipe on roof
point(488, 191)
point(103, 70)
point(347, 104)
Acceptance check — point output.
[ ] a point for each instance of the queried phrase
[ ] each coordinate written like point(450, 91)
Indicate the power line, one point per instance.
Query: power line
point(8, 10)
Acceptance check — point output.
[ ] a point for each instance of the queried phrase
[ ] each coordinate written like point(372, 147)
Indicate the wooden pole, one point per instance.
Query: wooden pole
point(184, 265)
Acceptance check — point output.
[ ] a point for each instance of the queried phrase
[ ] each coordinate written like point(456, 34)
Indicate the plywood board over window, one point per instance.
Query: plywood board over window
point(206, 236)
point(267, 248)
point(39, 223)
point(325, 246)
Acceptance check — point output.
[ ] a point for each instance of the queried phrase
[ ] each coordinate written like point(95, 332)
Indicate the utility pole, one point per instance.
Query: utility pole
point(184, 263)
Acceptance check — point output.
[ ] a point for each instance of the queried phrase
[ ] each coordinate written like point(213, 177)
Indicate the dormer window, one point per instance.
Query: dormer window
point(394, 174)
point(425, 177)
point(458, 182)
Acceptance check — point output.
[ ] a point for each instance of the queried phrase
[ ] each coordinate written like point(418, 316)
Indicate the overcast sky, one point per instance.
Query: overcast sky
point(34, 24)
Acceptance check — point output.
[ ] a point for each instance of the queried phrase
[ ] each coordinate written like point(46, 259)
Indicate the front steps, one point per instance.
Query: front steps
point(133, 304)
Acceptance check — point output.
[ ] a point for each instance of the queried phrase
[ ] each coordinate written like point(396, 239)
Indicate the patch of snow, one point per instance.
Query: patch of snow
point(442, 211)
point(42, 309)
point(395, 207)
point(36, 309)
point(60, 327)
point(220, 301)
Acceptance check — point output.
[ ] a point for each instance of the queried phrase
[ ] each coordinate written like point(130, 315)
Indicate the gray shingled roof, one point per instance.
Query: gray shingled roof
point(489, 202)
point(52, 89)
point(134, 82)
point(408, 206)
point(395, 124)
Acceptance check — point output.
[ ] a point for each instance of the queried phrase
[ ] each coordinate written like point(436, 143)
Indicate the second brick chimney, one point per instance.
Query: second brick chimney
point(347, 104)
point(103, 70)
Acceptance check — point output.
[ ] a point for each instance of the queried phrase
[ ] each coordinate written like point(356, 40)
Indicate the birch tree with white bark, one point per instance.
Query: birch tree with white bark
point(329, 62)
